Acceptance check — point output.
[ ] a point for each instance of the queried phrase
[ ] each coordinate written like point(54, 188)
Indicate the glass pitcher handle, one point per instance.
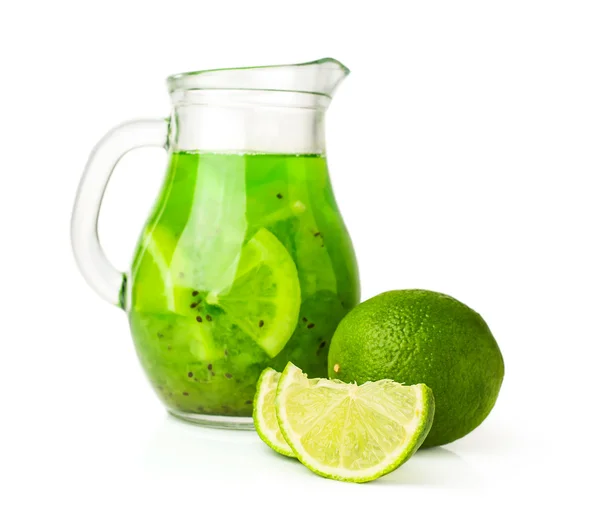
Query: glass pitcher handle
point(100, 274)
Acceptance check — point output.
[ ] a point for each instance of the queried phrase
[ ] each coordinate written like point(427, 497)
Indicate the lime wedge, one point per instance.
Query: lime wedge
point(261, 300)
point(348, 432)
point(264, 299)
point(265, 420)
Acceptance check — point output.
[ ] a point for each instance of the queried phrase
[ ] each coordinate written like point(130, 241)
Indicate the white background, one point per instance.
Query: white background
point(464, 149)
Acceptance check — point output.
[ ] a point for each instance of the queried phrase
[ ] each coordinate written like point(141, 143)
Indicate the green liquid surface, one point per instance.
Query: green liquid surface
point(199, 319)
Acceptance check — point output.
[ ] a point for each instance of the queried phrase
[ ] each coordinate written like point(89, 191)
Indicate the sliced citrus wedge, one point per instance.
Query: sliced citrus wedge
point(261, 300)
point(264, 299)
point(265, 420)
point(348, 432)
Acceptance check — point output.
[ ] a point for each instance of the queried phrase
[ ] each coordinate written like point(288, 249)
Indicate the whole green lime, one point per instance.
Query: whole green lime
point(415, 336)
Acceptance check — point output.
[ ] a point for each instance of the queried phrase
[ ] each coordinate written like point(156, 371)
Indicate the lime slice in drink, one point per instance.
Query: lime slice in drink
point(264, 298)
point(265, 420)
point(260, 302)
point(348, 432)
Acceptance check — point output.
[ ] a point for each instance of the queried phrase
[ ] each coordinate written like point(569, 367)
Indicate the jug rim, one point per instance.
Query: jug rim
point(320, 77)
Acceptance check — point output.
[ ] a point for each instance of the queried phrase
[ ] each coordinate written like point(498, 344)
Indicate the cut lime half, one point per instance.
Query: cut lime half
point(348, 432)
point(265, 420)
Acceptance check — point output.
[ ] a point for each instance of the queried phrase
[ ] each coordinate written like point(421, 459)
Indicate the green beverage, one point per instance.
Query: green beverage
point(245, 263)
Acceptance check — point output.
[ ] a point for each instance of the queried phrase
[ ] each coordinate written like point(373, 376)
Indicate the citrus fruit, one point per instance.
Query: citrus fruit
point(416, 336)
point(265, 418)
point(349, 432)
point(264, 299)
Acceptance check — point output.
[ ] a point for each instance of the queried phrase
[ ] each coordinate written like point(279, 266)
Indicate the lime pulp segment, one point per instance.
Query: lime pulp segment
point(265, 419)
point(264, 299)
point(349, 432)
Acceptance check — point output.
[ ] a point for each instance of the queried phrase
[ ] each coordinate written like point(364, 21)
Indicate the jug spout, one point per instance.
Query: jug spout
point(319, 77)
point(269, 109)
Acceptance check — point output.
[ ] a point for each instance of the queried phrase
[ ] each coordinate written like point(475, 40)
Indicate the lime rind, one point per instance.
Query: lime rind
point(265, 420)
point(410, 431)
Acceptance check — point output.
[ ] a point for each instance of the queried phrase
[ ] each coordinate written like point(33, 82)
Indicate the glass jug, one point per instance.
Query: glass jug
point(244, 262)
